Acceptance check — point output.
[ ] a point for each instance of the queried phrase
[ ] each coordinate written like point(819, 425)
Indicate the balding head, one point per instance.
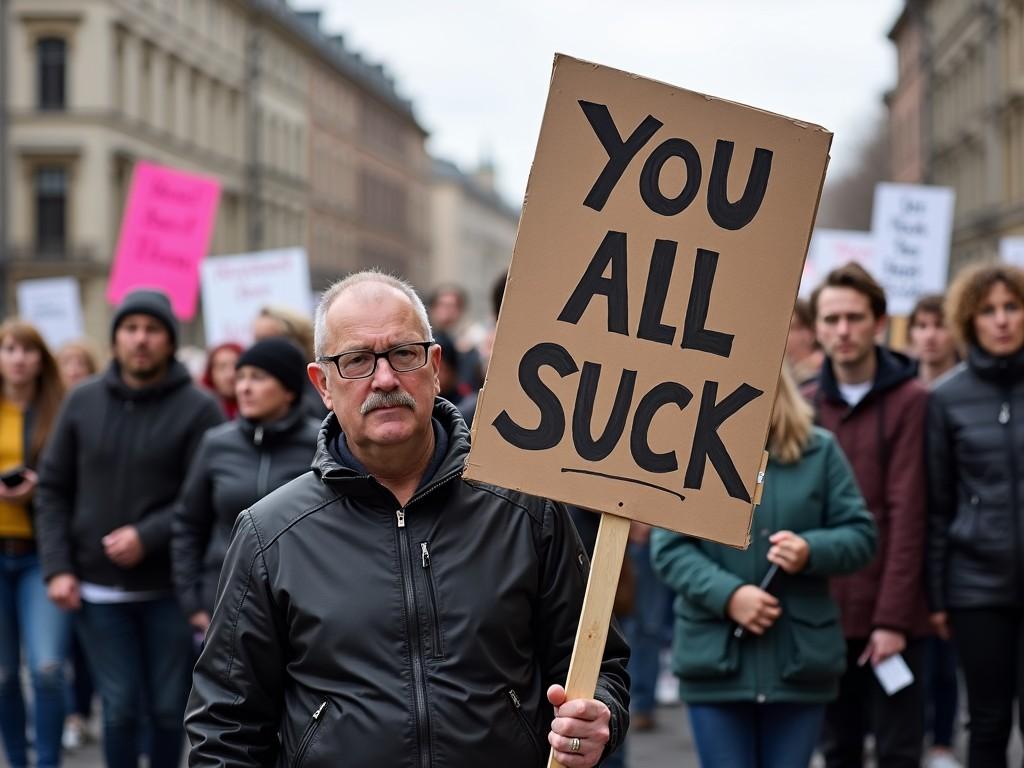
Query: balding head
point(369, 287)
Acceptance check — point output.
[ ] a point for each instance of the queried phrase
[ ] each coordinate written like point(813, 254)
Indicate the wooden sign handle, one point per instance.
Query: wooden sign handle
point(605, 566)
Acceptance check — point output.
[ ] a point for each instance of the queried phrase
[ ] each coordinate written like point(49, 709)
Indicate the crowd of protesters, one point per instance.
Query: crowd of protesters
point(889, 527)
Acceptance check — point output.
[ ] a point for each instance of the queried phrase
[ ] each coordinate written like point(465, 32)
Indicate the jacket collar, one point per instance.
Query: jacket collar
point(1003, 370)
point(270, 432)
point(177, 376)
point(332, 472)
point(892, 370)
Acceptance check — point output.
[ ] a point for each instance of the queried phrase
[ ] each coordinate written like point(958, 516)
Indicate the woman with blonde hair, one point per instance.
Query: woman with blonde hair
point(758, 647)
point(77, 361)
point(281, 321)
point(30, 396)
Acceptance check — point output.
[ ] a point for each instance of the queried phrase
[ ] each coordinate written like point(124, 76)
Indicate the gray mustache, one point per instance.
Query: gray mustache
point(387, 400)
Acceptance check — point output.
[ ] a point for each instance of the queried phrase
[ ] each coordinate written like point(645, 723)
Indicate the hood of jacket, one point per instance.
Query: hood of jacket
point(893, 369)
point(331, 471)
point(1002, 370)
point(268, 433)
point(177, 376)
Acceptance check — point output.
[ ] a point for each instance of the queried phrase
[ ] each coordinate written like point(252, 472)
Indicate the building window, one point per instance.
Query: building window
point(51, 209)
point(52, 56)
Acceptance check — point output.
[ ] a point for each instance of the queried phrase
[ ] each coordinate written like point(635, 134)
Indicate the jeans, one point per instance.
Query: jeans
point(141, 657)
point(648, 629)
point(31, 624)
point(990, 644)
point(80, 690)
point(940, 691)
point(748, 735)
point(897, 721)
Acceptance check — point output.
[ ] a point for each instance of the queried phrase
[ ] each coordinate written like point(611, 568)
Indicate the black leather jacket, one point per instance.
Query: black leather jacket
point(352, 632)
point(975, 455)
point(236, 465)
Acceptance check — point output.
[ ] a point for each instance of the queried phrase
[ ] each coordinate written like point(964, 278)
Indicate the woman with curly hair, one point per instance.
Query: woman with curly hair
point(975, 438)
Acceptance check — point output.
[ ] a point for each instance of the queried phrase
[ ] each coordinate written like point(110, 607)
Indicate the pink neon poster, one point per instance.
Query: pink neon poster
point(165, 233)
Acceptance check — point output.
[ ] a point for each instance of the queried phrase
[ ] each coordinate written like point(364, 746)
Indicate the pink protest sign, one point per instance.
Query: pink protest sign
point(164, 235)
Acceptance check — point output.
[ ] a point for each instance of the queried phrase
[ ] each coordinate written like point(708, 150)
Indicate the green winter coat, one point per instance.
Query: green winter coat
point(802, 656)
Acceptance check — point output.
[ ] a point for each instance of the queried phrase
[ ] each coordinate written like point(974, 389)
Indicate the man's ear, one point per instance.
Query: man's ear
point(434, 361)
point(318, 376)
point(881, 325)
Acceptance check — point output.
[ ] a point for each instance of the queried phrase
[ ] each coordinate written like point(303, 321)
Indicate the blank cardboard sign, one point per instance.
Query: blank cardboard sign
point(647, 305)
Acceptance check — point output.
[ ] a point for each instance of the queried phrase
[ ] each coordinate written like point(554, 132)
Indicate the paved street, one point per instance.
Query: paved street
point(668, 746)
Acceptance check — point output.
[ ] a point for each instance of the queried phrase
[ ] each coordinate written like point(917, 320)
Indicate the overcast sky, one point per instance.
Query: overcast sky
point(478, 72)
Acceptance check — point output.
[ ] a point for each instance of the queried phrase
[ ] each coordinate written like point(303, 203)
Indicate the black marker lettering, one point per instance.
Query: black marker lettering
point(549, 431)
point(737, 215)
point(583, 413)
point(663, 394)
point(611, 251)
point(708, 445)
point(620, 152)
point(650, 190)
point(658, 277)
point(695, 335)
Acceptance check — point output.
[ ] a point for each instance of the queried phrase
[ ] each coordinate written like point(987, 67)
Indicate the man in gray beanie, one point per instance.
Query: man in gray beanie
point(108, 481)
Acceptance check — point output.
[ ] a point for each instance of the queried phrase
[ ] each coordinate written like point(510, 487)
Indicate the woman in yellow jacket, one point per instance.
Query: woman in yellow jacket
point(30, 395)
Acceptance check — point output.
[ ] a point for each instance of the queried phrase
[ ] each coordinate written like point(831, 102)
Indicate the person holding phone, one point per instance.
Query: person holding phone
point(758, 697)
point(30, 625)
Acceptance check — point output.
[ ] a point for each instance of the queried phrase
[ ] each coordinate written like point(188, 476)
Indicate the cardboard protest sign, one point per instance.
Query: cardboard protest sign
point(831, 248)
point(165, 232)
point(1011, 250)
point(648, 302)
point(54, 306)
point(235, 288)
point(912, 225)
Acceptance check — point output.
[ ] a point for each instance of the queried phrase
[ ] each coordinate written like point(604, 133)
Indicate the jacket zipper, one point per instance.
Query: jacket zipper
point(263, 472)
point(517, 707)
point(1006, 420)
point(435, 618)
point(412, 628)
point(446, 479)
point(307, 736)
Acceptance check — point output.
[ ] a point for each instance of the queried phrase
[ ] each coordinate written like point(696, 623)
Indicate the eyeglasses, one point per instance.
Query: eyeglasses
point(362, 363)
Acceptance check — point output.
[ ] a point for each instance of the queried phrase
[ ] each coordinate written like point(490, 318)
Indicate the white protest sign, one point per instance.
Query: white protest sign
point(235, 288)
point(52, 305)
point(1011, 250)
point(912, 225)
point(831, 248)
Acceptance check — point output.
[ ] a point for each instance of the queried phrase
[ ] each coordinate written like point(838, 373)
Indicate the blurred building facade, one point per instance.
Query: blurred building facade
point(311, 144)
point(957, 114)
point(473, 234)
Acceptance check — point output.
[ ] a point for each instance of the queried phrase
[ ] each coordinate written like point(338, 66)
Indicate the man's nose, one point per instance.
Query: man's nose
point(384, 376)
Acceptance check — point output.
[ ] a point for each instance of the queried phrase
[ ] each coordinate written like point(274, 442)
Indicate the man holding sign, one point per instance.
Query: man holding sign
point(381, 611)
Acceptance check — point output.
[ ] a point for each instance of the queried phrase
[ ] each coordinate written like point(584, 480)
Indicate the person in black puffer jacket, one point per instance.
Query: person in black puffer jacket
point(975, 536)
point(271, 443)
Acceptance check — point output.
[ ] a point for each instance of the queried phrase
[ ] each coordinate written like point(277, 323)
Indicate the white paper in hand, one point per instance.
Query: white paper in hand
point(893, 674)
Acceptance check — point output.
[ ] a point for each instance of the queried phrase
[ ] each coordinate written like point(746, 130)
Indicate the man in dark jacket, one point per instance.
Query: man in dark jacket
point(107, 485)
point(381, 611)
point(870, 398)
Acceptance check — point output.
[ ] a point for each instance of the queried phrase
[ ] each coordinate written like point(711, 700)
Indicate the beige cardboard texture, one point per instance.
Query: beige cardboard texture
point(645, 316)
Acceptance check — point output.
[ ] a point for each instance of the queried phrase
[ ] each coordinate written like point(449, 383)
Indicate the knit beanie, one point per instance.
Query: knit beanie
point(281, 359)
point(147, 302)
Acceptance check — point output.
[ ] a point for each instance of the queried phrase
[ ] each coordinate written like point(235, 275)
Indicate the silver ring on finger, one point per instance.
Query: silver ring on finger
point(574, 745)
